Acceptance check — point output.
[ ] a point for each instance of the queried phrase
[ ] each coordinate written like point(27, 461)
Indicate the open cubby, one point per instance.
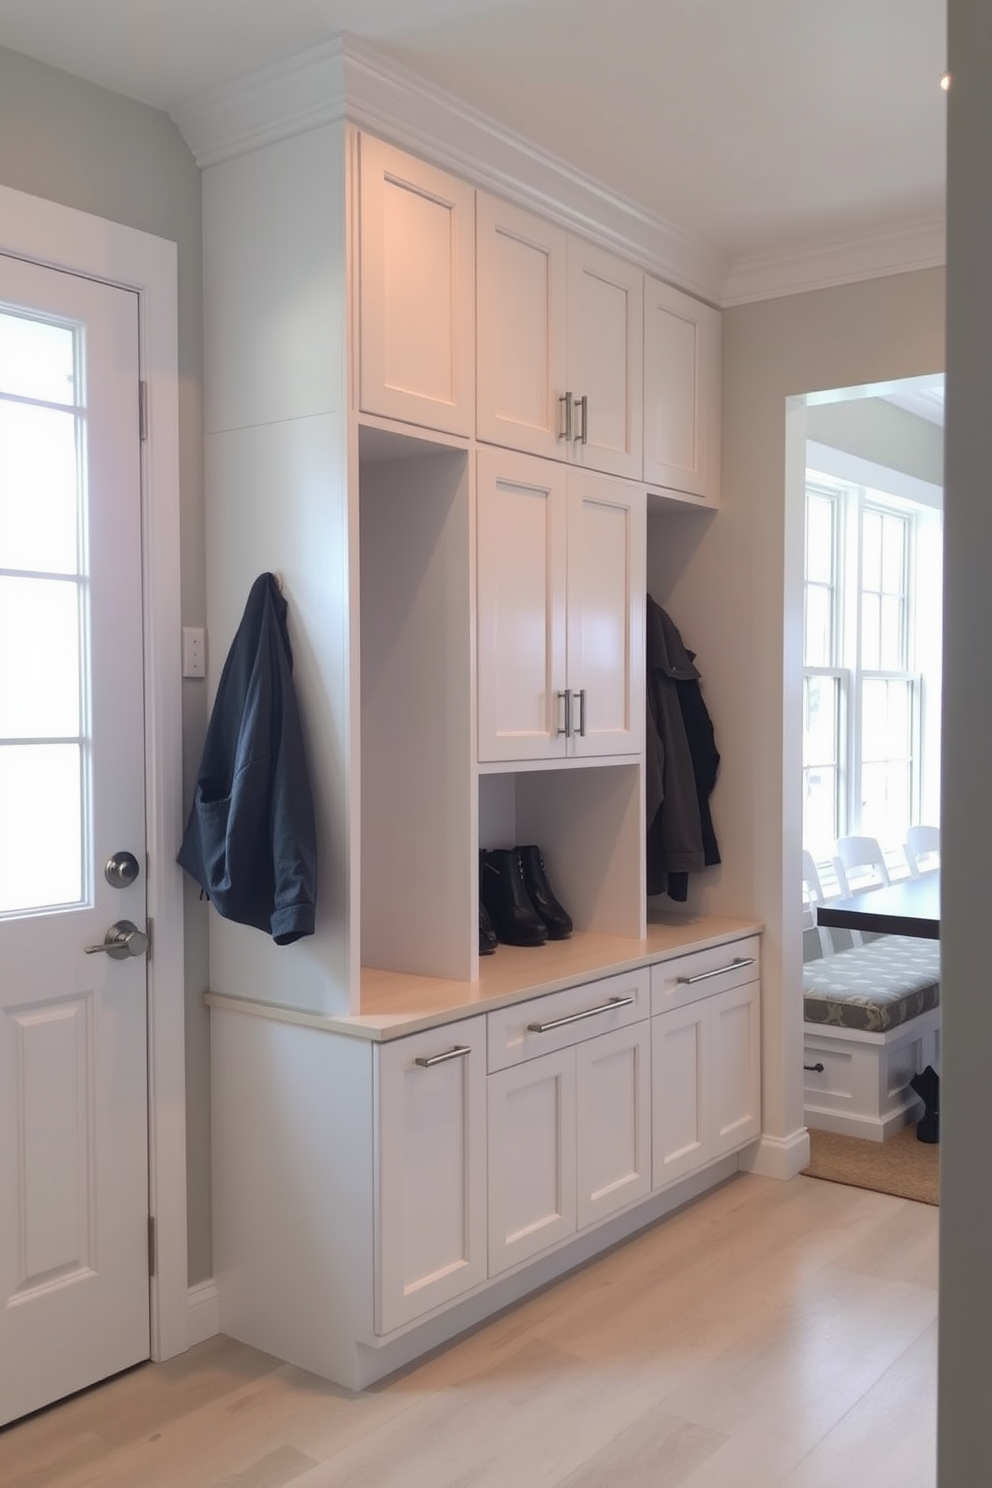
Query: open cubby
point(588, 823)
point(417, 809)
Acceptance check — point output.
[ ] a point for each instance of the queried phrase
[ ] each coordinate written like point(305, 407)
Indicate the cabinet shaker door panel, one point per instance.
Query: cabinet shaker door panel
point(431, 1194)
point(681, 392)
point(605, 360)
point(521, 605)
point(417, 291)
point(735, 1068)
point(680, 1093)
point(613, 1103)
point(520, 350)
point(606, 566)
point(531, 1158)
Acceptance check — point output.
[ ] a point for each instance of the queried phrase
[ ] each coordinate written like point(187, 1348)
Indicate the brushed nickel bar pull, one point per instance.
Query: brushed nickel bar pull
point(704, 976)
point(604, 1007)
point(566, 398)
point(583, 403)
point(458, 1052)
point(582, 712)
point(567, 730)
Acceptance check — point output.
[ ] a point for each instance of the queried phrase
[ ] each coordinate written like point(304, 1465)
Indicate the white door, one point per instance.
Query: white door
point(431, 1188)
point(521, 606)
point(532, 1174)
point(613, 1106)
point(607, 543)
point(520, 329)
point(73, 1107)
point(605, 360)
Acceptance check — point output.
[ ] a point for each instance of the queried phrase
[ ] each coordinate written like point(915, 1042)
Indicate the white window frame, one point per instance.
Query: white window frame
point(853, 500)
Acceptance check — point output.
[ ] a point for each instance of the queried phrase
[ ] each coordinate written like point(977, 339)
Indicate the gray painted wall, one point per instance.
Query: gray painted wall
point(877, 431)
point(71, 142)
point(965, 1323)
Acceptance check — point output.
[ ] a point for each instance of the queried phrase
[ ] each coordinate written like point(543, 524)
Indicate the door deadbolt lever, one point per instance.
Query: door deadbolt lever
point(121, 941)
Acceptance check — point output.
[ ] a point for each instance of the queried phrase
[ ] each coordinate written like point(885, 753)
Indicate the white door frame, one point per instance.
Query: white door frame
point(61, 237)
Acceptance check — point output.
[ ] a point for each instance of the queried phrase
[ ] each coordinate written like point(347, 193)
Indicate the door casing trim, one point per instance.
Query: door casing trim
point(62, 237)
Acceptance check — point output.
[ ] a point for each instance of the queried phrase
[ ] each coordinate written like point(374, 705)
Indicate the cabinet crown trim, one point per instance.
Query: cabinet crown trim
point(345, 78)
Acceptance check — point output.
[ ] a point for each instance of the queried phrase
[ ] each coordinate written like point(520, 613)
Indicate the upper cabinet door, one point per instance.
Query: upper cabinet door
point(605, 360)
point(520, 330)
point(416, 291)
point(681, 392)
point(521, 505)
point(607, 527)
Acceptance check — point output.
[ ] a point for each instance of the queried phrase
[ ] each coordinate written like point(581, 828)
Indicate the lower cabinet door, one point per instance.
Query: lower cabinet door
point(431, 1182)
point(680, 1092)
point(735, 1068)
point(531, 1158)
point(613, 1118)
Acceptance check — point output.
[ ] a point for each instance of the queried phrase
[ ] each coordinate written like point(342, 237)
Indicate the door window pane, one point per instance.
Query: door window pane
point(40, 826)
point(37, 359)
point(42, 636)
point(39, 658)
point(39, 489)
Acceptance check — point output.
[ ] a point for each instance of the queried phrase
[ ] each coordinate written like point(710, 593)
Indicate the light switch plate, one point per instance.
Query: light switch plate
point(194, 652)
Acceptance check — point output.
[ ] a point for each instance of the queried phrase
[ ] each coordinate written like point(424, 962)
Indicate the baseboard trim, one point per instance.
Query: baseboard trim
point(202, 1312)
point(777, 1157)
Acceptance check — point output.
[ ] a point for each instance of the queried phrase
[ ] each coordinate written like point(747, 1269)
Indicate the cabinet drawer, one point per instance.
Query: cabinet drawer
point(685, 979)
point(521, 1032)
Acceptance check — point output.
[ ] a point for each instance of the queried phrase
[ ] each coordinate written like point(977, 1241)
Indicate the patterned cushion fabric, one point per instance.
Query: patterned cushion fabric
point(873, 987)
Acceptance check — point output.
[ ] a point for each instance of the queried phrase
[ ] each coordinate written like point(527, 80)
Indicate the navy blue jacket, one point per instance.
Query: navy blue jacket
point(250, 840)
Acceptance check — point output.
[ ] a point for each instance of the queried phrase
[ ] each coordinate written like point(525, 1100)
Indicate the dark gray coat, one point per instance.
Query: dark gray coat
point(250, 840)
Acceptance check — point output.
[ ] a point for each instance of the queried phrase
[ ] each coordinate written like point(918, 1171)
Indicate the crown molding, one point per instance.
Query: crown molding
point(348, 79)
point(898, 249)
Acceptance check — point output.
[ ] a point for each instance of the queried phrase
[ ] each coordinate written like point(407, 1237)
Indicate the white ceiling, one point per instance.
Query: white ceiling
point(756, 126)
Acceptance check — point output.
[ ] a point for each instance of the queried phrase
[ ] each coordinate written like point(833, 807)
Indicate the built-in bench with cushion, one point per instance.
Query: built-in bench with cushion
point(871, 1022)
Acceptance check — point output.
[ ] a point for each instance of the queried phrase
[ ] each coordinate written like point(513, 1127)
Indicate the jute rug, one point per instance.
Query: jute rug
point(902, 1166)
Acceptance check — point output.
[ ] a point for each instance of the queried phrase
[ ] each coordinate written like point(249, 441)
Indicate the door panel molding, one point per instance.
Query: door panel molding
point(61, 237)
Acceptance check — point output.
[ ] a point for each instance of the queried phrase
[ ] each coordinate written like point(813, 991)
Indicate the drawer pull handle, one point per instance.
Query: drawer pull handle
point(604, 1007)
point(458, 1052)
point(704, 976)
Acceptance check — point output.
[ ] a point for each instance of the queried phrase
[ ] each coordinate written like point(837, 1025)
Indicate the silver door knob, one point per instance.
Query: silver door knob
point(121, 941)
point(121, 869)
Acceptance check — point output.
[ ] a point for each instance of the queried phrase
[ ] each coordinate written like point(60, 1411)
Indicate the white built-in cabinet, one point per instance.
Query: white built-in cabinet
point(427, 410)
point(559, 353)
point(681, 392)
point(416, 283)
point(561, 562)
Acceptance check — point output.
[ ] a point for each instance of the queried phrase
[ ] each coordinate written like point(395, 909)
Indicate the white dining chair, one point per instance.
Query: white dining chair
point(860, 864)
point(923, 849)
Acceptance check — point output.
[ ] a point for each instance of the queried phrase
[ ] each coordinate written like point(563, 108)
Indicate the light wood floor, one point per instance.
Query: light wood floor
point(773, 1335)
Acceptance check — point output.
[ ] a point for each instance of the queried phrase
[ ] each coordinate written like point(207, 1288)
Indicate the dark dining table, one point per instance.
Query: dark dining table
point(910, 907)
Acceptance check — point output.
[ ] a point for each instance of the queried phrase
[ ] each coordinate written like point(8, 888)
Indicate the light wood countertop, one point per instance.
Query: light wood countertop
point(394, 1004)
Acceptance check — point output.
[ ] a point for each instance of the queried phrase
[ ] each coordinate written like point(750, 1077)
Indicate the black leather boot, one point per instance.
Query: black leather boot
point(487, 935)
point(504, 894)
point(557, 919)
point(927, 1087)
